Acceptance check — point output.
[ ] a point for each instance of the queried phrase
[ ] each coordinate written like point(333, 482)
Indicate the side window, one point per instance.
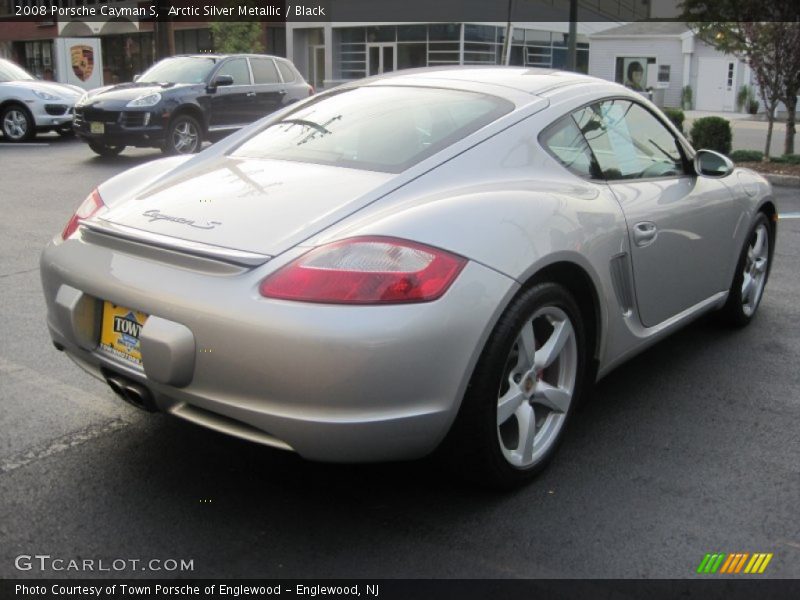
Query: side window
point(236, 68)
point(264, 71)
point(565, 142)
point(286, 71)
point(629, 142)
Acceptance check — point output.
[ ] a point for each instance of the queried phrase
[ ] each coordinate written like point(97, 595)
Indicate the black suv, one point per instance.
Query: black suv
point(182, 100)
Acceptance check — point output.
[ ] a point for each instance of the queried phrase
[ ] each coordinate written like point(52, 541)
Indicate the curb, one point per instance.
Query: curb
point(782, 180)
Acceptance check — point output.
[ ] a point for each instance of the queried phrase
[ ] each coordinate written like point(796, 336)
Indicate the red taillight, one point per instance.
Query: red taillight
point(366, 270)
point(88, 208)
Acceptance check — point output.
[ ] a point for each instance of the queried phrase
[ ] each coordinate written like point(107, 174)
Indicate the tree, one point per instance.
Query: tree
point(237, 37)
point(771, 47)
point(790, 78)
point(765, 60)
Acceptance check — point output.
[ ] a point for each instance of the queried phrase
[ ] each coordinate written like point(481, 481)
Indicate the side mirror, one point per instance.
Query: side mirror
point(136, 77)
point(221, 80)
point(712, 164)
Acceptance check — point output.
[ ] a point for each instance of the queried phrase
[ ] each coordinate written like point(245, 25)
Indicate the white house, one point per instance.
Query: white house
point(671, 57)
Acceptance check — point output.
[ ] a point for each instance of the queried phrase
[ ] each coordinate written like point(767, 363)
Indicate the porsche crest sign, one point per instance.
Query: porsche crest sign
point(82, 61)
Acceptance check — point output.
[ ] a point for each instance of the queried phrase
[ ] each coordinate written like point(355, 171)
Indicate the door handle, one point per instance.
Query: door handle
point(644, 233)
point(282, 92)
point(250, 94)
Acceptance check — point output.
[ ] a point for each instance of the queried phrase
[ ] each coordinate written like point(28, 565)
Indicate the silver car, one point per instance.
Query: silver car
point(438, 259)
point(28, 105)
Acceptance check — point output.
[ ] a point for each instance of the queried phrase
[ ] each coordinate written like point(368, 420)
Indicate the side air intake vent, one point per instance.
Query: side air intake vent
point(620, 276)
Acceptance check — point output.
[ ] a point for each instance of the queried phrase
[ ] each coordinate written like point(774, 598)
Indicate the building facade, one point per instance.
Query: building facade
point(127, 45)
point(328, 54)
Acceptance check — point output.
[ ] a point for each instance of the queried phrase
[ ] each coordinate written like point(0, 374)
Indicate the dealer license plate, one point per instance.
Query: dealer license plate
point(119, 335)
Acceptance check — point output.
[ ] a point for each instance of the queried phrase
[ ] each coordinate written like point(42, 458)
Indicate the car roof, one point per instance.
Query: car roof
point(520, 79)
point(221, 56)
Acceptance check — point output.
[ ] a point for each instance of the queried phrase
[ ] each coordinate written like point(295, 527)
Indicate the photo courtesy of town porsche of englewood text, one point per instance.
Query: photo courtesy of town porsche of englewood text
point(399, 300)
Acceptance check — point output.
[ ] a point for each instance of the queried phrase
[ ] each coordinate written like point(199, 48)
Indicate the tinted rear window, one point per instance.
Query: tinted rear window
point(375, 128)
point(264, 70)
point(286, 71)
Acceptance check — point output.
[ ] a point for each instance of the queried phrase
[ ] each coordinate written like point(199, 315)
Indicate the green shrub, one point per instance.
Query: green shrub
point(742, 96)
point(738, 156)
point(786, 159)
point(712, 133)
point(686, 97)
point(676, 116)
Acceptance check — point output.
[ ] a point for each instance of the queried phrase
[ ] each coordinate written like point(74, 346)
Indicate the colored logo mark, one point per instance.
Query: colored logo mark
point(738, 562)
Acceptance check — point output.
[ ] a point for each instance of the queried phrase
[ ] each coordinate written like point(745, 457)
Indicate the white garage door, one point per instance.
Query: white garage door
point(715, 77)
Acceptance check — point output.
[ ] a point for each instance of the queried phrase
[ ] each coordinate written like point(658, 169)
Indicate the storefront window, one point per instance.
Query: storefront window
point(382, 34)
point(412, 33)
point(193, 41)
point(39, 59)
point(125, 56)
point(352, 52)
point(631, 71)
point(440, 44)
point(444, 32)
point(544, 49)
point(411, 55)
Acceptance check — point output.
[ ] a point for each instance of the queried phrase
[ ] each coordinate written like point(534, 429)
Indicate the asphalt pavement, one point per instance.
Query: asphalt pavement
point(690, 448)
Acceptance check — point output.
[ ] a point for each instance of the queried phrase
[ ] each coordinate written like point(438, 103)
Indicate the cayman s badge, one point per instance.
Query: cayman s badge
point(157, 215)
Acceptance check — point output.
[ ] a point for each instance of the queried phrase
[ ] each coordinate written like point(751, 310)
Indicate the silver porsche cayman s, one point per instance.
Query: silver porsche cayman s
point(439, 259)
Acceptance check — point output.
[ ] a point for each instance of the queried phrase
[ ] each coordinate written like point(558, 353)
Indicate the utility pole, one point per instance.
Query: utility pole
point(163, 31)
point(572, 43)
point(507, 39)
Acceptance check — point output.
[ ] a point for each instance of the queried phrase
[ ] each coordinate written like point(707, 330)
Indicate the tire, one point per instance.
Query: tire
point(17, 124)
point(752, 272)
point(105, 150)
point(184, 136)
point(506, 394)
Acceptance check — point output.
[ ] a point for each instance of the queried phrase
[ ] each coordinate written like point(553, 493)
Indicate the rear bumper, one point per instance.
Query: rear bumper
point(333, 383)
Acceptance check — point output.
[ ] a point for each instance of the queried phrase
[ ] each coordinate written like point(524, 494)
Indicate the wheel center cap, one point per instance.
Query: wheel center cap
point(528, 385)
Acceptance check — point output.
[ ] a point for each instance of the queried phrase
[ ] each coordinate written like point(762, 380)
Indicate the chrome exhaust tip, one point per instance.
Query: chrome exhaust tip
point(133, 393)
point(116, 386)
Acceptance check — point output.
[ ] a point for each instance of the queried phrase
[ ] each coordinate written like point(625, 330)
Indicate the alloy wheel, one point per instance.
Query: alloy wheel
point(185, 137)
point(537, 389)
point(754, 275)
point(15, 124)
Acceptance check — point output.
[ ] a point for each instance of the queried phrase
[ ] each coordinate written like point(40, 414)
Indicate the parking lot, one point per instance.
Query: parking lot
point(690, 448)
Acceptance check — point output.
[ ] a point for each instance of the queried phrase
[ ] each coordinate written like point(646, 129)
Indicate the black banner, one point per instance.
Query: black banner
point(394, 589)
point(396, 11)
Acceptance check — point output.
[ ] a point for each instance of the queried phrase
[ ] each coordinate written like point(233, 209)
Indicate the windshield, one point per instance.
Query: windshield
point(183, 69)
point(11, 72)
point(377, 128)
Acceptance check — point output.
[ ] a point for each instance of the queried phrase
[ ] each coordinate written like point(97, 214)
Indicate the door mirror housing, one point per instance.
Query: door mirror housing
point(136, 77)
point(712, 164)
point(220, 80)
